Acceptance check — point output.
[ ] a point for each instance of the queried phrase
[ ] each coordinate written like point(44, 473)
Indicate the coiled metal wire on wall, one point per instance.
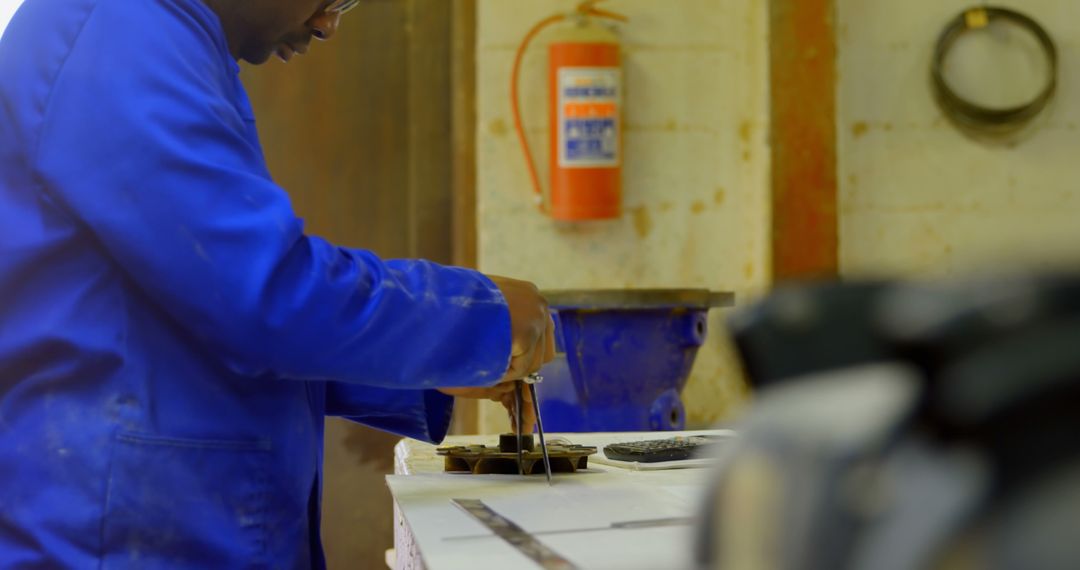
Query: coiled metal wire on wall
point(980, 120)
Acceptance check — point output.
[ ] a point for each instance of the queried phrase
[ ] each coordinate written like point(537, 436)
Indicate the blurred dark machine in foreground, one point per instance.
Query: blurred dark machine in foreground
point(903, 426)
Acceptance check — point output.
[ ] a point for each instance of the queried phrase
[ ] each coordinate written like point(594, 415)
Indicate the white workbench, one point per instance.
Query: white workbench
point(574, 516)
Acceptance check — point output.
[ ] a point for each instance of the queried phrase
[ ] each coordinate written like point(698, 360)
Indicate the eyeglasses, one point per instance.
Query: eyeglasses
point(339, 7)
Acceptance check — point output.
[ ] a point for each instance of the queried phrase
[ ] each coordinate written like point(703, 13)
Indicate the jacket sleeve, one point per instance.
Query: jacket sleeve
point(151, 154)
point(419, 414)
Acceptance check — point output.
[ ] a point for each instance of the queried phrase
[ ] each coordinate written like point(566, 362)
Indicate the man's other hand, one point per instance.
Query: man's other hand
point(503, 393)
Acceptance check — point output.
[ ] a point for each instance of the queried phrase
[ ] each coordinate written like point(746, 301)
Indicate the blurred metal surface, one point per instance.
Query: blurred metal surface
point(638, 298)
point(943, 435)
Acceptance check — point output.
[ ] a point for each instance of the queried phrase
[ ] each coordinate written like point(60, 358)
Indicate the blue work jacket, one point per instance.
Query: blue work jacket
point(170, 339)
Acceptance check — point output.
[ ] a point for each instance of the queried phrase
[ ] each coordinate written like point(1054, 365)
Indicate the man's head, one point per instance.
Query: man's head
point(257, 29)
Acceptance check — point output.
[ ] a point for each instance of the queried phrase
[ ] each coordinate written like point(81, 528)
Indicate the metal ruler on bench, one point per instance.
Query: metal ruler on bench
point(516, 536)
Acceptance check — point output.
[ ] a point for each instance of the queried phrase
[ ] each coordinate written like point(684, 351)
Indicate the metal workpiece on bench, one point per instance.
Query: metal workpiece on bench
point(482, 459)
point(637, 299)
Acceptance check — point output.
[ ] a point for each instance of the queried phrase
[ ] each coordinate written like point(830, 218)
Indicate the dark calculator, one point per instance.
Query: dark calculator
point(657, 450)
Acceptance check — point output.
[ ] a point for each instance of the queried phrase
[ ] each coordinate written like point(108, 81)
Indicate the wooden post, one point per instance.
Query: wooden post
point(429, 124)
point(803, 118)
point(463, 163)
point(463, 130)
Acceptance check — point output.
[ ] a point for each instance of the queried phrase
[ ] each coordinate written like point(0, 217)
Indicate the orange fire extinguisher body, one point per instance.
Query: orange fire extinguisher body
point(585, 117)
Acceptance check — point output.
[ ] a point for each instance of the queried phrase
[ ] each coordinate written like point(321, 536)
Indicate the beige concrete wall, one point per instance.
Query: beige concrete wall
point(917, 198)
point(696, 160)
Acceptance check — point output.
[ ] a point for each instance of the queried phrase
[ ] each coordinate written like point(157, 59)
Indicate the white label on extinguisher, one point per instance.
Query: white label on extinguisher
point(589, 123)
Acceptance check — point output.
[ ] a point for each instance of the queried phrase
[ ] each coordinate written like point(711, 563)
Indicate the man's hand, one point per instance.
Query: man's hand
point(503, 393)
point(532, 332)
point(532, 344)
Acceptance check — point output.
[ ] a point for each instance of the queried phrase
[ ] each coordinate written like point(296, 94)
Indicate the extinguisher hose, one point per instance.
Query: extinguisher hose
point(587, 8)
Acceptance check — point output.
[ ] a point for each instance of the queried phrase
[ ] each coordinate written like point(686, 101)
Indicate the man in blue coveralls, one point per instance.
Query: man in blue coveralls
point(170, 339)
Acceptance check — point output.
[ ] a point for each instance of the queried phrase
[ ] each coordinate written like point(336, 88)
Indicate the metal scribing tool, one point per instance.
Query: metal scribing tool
point(532, 380)
point(517, 424)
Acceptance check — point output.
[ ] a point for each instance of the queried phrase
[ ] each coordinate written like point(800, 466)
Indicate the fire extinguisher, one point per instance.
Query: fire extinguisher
point(584, 115)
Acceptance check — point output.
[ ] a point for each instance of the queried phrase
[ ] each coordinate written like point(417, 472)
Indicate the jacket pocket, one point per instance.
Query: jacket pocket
point(186, 503)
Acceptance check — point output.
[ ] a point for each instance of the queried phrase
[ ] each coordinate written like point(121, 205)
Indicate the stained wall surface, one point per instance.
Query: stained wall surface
point(696, 162)
point(918, 198)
